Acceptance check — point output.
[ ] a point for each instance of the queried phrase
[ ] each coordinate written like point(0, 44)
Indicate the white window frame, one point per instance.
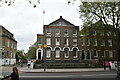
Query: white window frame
point(103, 54)
point(66, 53)
point(48, 41)
point(88, 42)
point(75, 32)
point(110, 53)
point(67, 42)
point(95, 52)
point(83, 42)
point(74, 42)
point(94, 32)
point(102, 43)
point(76, 54)
point(57, 41)
point(95, 42)
point(48, 53)
point(57, 53)
point(109, 42)
point(48, 31)
point(66, 30)
point(57, 31)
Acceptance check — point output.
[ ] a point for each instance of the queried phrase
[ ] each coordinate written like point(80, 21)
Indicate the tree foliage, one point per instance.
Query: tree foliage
point(31, 54)
point(20, 56)
point(108, 12)
point(10, 2)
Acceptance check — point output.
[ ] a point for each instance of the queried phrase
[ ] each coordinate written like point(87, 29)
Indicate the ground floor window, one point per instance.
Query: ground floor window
point(57, 53)
point(48, 53)
point(88, 54)
point(75, 52)
point(66, 52)
point(83, 54)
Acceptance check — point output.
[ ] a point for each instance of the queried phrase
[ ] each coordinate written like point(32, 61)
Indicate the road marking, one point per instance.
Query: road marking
point(99, 75)
point(42, 76)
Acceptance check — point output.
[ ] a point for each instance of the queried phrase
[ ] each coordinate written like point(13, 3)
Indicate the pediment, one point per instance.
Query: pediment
point(61, 22)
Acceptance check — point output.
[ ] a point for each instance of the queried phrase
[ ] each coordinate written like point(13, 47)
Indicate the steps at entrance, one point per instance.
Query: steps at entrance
point(63, 65)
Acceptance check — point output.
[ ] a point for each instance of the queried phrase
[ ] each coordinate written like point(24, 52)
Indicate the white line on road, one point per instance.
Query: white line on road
point(99, 75)
point(43, 76)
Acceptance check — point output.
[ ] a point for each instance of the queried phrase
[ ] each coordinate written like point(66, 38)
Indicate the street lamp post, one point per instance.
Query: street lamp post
point(44, 60)
point(44, 51)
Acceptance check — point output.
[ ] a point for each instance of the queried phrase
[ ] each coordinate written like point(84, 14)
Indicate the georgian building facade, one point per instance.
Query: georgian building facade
point(8, 46)
point(61, 38)
point(98, 43)
point(65, 43)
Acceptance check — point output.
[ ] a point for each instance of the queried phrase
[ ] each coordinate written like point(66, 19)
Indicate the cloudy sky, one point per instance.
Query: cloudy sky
point(25, 22)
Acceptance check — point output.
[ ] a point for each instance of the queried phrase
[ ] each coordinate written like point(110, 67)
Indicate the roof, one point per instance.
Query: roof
point(61, 22)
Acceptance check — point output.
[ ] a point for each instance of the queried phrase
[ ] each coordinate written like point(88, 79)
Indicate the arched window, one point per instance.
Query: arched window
point(57, 53)
point(75, 52)
point(48, 53)
point(66, 52)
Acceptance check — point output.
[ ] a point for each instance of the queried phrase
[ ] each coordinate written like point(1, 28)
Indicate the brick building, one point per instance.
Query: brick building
point(65, 43)
point(61, 38)
point(97, 42)
point(8, 46)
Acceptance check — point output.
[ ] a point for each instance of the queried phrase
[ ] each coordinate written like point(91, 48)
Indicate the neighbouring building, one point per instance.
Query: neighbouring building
point(8, 46)
point(97, 42)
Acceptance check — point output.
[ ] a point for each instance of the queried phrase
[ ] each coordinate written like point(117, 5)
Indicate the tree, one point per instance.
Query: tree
point(107, 12)
point(10, 2)
point(31, 54)
point(20, 56)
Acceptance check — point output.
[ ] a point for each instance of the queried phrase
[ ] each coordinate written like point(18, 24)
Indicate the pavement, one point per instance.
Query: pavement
point(30, 70)
point(25, 69)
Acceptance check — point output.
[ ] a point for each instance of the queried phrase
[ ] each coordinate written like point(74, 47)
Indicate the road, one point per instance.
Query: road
point(103, 75)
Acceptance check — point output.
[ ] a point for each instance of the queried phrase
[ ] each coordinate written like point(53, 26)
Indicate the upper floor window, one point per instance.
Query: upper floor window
point(66, 41)
point(82, 42)
point(95, 42)
point(39, 41)
point(57, 41)
point(48, 41)
point(110, 53)
point(74, 42)
point(102, 43)
point(57, 31)
point(66, 31)
point(109, 42)
point(74, 32)
point(48, 31)
point(88, 42)
point(94, 33)
point(95, 53)
point(103, 53)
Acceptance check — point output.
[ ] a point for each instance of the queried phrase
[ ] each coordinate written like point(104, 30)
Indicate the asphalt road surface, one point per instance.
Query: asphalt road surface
point(103, 75)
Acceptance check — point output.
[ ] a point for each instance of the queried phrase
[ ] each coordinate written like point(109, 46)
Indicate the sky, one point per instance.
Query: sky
point(25, 22)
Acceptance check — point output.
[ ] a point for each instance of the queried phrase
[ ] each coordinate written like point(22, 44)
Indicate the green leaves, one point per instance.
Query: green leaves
point(108, 12)
point(34, 3)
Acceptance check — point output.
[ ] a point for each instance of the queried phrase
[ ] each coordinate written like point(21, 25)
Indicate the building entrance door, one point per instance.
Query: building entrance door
point(39, 54)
